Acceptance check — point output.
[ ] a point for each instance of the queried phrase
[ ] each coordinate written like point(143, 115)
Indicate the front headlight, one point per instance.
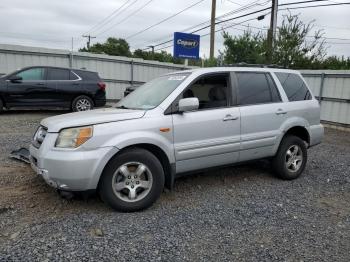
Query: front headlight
point(74, 137)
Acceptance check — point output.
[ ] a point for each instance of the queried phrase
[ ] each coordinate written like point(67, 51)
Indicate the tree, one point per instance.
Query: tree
point(293, 46)
point(162, 56)
point(336, 63)
point(248, 48)
point(112, 46)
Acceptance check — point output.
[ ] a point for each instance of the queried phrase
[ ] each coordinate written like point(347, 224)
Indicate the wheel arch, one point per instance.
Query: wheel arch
point(299, 131)
point(82, 94)
point(169, 169)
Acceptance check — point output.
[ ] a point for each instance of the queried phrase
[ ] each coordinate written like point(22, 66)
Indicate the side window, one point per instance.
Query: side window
point(211, 91)
point(32, 74)
point(57, 74)
point(256, 88)
point(294, 86)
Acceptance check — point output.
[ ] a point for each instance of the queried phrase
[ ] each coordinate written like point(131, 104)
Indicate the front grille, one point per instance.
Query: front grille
point(39, 136)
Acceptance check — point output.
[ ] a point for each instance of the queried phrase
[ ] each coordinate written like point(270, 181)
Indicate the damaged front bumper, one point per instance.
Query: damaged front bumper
point(76, 169)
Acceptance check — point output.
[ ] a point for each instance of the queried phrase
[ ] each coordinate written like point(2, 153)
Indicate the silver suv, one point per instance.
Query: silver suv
point(180, 123)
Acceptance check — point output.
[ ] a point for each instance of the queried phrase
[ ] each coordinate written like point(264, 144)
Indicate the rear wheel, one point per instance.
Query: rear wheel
point(132, 181)
point(82, 103)
point(291, 158)
point(1, 105)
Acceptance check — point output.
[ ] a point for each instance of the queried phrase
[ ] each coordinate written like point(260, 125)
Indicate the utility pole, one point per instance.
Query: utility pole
point(152, 48)
point(212, 29)
point(272, 31)
point(89, 37)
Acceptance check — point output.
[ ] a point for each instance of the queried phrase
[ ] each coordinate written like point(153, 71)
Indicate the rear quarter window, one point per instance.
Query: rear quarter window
point(89, 76)
point(294, 86)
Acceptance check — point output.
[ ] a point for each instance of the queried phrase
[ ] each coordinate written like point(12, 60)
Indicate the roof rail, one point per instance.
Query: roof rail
point(243, 64)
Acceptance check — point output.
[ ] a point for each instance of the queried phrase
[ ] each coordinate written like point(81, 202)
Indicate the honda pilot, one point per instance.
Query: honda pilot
point(178, 124)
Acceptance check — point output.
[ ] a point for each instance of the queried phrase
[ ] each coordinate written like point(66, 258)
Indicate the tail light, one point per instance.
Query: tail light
point(102, 86)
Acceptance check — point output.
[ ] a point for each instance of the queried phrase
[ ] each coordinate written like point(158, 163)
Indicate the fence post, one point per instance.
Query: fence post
point(70, 55)
point(323, 75)
point(132, 72)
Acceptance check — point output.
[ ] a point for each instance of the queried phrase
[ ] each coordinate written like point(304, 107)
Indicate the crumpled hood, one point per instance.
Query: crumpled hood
point(98, 116)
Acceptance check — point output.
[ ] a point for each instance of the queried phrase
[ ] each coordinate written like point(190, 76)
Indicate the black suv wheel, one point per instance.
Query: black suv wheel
point(82, 103)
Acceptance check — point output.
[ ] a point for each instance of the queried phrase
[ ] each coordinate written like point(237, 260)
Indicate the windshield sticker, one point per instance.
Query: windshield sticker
point(177, 78)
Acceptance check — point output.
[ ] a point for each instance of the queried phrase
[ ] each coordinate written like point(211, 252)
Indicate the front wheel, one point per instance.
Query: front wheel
point(291, 158)
point(132, 180)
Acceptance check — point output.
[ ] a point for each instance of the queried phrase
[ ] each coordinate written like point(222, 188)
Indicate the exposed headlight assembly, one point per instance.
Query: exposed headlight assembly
point(74, 137)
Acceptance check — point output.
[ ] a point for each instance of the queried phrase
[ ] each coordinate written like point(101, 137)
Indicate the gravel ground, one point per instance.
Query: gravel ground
point(241, 213)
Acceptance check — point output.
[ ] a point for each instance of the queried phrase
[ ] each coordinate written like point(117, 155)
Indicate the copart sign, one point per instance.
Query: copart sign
point(186, 45)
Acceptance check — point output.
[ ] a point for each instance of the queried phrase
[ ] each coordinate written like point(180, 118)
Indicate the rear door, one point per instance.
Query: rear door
point(209, 136)
point(63, 80)
point(32, 90)
point(262, 113)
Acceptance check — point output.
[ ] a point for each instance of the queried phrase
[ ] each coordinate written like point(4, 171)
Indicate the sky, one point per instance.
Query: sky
point(53, 24)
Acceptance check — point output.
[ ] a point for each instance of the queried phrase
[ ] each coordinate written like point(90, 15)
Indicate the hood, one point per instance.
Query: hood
point(92, 117)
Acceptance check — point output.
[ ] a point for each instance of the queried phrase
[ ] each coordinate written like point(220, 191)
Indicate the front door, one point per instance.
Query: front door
point(32, 90)
point(209, 136)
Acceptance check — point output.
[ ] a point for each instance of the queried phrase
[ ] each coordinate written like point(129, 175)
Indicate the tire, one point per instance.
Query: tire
point(291, 158)
point(120, 178)
point(82, 103)
point(1, 105)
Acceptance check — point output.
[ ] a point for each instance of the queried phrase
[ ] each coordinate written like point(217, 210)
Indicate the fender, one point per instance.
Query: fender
point(287, 125)
point(124, 140)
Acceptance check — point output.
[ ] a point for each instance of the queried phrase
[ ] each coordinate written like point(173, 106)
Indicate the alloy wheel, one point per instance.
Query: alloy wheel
point(132, 181)
point(294, 158)
point(83, 105)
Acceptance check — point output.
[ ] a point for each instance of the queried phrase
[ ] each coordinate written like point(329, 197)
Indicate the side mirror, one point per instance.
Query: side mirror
point(188, 104)
point(15, 79)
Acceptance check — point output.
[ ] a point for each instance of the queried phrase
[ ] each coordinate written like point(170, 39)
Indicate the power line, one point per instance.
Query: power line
point(248, 6)
point(333, 38)
point(323, 37)
point(221, 16)
point(126, 18)
point(258, 11)
point(162, 21)
point(242, 8)
point(334, 27)
point(216, 31)
point(310, 6)
point(111, 16)
point(89, 37)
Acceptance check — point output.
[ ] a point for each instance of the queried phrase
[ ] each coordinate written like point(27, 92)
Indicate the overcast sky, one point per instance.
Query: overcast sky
point(53, 23)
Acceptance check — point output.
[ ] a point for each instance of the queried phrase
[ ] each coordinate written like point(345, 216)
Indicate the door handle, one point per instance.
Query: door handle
point(280, 111)
point(229, 117)
point(40, 84)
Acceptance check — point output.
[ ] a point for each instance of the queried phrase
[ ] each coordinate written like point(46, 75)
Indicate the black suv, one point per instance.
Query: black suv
point(43, 86)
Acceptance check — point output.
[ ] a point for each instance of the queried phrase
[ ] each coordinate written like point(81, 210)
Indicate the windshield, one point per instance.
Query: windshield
point(151, 94)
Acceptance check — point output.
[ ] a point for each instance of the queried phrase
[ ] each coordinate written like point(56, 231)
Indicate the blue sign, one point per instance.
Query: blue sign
point(186, 45)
